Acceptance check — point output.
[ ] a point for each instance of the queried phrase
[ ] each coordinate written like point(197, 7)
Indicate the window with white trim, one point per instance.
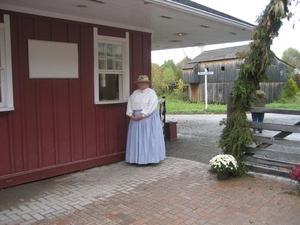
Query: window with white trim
point(111, 69)
point(6, 92)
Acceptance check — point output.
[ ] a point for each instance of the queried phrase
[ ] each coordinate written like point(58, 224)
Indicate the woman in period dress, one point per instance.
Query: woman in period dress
point(145, 140)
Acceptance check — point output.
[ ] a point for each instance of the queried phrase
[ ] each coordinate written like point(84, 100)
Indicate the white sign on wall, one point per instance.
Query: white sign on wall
point(50, 59)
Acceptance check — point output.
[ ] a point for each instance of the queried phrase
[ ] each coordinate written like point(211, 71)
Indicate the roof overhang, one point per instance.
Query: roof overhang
point(173, 23)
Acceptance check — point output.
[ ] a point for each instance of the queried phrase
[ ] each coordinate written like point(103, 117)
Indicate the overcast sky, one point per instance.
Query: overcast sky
point(245, 10)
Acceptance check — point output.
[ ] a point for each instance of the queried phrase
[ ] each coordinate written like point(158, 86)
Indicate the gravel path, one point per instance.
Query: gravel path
point(198, 135)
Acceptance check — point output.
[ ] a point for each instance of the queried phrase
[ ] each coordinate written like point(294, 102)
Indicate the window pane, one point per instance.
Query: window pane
point(101, 50)
point(108, 86)
point(102, 63)
point(110, 63)
point(110, 50)
point(114, 64)
point(119, 64)
point(118, 50)
point(110, 56)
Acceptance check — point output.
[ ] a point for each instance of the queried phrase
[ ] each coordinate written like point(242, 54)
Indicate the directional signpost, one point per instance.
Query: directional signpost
point(205, 73)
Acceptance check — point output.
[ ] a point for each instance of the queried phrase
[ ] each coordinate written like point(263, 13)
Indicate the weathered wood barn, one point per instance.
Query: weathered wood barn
point(68, 68)
point(225, 67)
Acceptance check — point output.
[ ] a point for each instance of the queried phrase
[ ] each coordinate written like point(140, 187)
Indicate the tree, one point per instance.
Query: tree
point(290, 90)
point(163, 76)
point(183, 62)
point(237, 135)
point(157, 78)
point(169, 67)
point(169, 76)
point(292, 57)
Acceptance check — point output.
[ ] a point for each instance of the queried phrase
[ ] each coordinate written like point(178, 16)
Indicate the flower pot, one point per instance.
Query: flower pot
point(223, 175)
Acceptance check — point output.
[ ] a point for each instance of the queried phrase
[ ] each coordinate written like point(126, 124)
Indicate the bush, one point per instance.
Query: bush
point(290, 90)
point(179, 96)
point(159, 92)
point(181, 87)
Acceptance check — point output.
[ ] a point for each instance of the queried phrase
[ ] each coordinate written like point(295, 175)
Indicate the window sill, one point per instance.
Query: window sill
point(7, 109)
point(105, 102)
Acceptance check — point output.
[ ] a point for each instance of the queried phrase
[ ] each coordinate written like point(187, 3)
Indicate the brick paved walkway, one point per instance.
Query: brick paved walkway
point(177, 191)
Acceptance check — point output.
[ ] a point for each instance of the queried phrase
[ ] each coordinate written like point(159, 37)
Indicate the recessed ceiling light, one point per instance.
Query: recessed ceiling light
point(98, 1)
point(166, 17)
point(181, 34)
point(203, 26)
point(175, 41)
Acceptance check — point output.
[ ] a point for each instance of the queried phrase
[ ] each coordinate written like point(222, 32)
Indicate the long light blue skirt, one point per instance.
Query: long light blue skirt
point(145, 140)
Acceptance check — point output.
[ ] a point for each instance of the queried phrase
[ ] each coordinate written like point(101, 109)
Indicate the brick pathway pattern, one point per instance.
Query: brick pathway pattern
point(176, 191)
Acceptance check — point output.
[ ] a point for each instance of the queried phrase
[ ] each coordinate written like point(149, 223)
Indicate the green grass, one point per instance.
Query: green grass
point(185, 107)
point(293, 106)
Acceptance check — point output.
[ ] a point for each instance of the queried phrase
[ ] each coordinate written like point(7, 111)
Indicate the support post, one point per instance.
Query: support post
point(205, 73)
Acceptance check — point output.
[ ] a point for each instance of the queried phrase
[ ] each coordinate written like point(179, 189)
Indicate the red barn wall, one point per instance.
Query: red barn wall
point(56, 128)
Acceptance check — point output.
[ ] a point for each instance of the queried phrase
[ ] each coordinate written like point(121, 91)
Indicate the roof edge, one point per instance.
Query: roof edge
point(192, 10)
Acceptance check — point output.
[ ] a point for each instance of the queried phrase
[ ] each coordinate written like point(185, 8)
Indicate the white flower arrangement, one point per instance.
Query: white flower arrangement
point(223, 163)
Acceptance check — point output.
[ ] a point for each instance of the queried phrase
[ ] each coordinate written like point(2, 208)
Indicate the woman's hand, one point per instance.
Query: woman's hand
point(137, 118)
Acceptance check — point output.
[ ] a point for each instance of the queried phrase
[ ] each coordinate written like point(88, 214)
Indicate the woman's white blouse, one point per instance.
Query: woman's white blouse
point(145, 100)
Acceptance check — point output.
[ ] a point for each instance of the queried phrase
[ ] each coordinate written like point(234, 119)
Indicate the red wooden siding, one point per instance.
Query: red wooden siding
point(140, 56)
point(56, 128)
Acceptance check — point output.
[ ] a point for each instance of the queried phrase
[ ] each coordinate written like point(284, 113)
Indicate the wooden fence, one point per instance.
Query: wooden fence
point(262, 158)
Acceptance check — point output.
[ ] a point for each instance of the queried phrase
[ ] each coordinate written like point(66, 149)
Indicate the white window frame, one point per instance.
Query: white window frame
point(124, 87)
point(7, 103)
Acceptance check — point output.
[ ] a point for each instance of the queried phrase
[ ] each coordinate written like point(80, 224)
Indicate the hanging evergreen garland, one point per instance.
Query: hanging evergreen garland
point(237, 134)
